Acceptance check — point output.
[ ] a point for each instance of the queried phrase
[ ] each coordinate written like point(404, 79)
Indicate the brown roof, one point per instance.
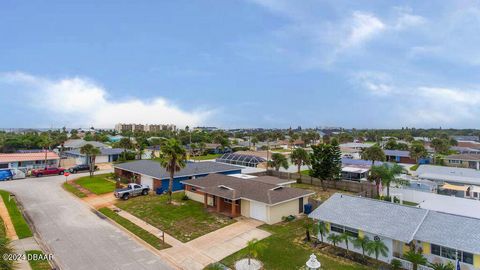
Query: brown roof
point(272, 180)
point(469, 144)
point(236, 188)
point(14, 157)
point(473, 157)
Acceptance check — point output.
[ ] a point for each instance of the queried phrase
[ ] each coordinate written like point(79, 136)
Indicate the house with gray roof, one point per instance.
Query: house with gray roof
point(73, 144)
point(441, 236)
point(399, 156)
point(106, 155)
point(263, 198)
point(149, 172)
point(452, 175)
point(471, 161)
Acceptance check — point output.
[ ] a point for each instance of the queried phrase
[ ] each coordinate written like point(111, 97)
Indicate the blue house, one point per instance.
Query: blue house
point(149, 172)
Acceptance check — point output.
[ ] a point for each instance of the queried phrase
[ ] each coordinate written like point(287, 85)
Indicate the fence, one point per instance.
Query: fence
point(365, 189)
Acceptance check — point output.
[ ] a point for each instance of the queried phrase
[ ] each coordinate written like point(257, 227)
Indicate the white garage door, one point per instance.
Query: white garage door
point(147, 181)
point(258, 211)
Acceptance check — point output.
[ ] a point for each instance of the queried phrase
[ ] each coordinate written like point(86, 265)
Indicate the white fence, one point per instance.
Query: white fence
point(409, 266)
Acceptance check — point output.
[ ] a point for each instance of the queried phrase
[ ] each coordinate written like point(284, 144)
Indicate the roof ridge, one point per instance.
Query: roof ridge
point(420, 224)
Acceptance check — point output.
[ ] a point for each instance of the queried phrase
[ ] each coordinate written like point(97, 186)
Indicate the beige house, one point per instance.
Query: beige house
point(471, 161)
point(264, 198)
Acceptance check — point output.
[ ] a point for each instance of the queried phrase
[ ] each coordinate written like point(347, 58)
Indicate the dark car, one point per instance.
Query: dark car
point(48, 171)
point(81, 168)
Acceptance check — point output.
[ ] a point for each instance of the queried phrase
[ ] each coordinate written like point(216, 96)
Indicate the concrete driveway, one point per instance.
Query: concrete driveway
point(77, 237)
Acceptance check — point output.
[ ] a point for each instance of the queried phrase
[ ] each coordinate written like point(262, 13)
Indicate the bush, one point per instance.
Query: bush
point(185, 198)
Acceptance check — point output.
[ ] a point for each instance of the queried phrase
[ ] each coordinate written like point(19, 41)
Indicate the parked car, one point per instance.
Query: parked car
point(80, 168)
point(6, 175)
point(131, 190)
point(48, 171)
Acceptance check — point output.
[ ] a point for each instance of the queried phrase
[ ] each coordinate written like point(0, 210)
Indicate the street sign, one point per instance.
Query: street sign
point(66, 174)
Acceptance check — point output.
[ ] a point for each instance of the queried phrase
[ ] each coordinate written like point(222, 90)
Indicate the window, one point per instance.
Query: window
point(451, 253)
point(452, 161)
point(342, 229)
point(336, 228)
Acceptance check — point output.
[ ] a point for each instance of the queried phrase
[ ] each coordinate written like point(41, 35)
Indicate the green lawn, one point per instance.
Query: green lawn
point(184, 220)
point(414, 167)
point(283, 250)
point(410, 203)
point(281, 150)
point(305, 172)
point(97, 184)
point(21, 227)
point(37, 264)
point(127, 224)
point(73, 190)
point(205, 157)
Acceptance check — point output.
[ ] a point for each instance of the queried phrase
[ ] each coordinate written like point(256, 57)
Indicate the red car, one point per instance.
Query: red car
point(48, 171)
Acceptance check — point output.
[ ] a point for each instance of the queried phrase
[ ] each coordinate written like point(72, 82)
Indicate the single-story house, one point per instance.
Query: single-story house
point(466, 138)
point(471, 161)
point(351, 153)
point(453, 175)
point(465, 150)
point(259, 198)
point(357, 146)
point(29, 160)
point(399, 156)
point(106, 155)
point(74, 144)
point(149, 172)
point(441, 236)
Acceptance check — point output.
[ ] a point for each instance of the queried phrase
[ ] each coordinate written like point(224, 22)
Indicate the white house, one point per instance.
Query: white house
point(442, 237)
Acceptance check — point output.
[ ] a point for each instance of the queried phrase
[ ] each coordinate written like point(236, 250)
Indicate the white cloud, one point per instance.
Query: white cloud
point(81, 101)
point(407, 20)
point(377, 83)
point(363, 26)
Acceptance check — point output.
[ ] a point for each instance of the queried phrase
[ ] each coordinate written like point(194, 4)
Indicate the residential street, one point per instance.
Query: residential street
point(78, 238)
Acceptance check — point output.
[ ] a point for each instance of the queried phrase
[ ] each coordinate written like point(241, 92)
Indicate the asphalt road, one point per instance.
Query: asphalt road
point(78, 238)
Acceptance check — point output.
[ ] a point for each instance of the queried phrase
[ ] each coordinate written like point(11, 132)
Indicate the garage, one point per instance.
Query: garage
point(146, 180)
point(258, 211)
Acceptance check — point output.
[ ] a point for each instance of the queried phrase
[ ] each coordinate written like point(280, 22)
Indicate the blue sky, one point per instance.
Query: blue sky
point(249, 63)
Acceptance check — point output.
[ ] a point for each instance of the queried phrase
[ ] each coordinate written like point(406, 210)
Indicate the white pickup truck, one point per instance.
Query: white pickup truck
point(131, 190)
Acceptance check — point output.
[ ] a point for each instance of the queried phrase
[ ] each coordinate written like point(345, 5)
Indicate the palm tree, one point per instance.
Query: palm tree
point(377, 247)
point(441, 266)
point(254, 247)
point(91, 152)
point(361, 242)
point(300, 157)
point(172, 158)
point(395, 264)
point(125, 143)
point(373, 153)
point(346, 238)
point(415, 257)
point(377, 174)
point(417, 151)
point(320, 229)
point(46, 142)
point(393, 171)
point(278, 160)
point(202, 146)
point(6, 248)
point(334, 239)
point(254, 141)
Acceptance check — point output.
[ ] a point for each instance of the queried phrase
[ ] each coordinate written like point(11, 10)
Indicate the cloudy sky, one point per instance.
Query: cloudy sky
point(240, 63)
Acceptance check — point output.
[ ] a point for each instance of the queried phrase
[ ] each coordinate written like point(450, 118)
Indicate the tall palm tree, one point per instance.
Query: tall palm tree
point(377, 247)
point(172, 158)
point(373, 153)
point(320, 229)
point(91, 152)
point(361, 242)
point(6, 248)
point(254, 247)
point(125, 143)
point(278, 160)
point(46, 142)
point(300, 157)
point(334, 239)
point(393, 171)
point(345, 238)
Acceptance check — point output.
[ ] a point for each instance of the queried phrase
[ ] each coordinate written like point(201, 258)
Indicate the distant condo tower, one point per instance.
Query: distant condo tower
point(140, 127)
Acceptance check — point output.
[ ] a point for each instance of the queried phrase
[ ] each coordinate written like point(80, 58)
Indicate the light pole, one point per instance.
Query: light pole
point(313, 263)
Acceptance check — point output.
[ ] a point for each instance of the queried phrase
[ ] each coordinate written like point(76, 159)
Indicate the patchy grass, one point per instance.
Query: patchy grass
point(98, 184)
point(414, 167)
point(305, 172)
point(21, 227)
point(127, 224)
point(184, 220)
point(320, 194)
point(281, 150)
point(68, 187)
point(38, 264)
point(284, 249)
point(206, 157)
point(410, 203)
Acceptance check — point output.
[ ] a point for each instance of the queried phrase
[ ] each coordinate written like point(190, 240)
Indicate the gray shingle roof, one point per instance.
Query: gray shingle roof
point(153, 168)
point(449, 174)
point(77, 143)
point(469, 157)
point(397, 153)
point(235, 188)
point(383, 218)
point(458, 232)
point(402, 223)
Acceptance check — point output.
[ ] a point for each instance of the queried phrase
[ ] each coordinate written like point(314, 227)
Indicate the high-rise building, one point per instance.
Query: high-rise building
point(120, 127)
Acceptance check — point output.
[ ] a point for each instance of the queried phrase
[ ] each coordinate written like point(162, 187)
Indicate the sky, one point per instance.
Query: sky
point(240, 63)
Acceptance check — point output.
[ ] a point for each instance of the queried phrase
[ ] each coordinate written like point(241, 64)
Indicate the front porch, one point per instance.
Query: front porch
point(224, 206)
